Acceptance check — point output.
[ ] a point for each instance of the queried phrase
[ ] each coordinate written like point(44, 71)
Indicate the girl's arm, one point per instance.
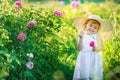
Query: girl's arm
point(79, 45)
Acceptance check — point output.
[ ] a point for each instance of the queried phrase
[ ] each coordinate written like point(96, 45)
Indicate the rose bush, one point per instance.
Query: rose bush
point(36, 30)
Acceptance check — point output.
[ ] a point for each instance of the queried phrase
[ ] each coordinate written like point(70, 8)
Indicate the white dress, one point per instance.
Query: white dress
point(89, 65)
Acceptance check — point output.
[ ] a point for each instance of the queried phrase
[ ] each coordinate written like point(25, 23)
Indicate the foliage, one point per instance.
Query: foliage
point(111, 58)
point(42, 40)
point(4, 55)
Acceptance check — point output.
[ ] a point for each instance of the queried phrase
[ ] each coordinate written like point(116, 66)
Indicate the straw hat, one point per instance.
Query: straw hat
point(106, 27)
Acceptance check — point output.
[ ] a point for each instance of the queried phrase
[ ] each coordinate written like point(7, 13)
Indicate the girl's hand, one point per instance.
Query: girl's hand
point(92, 44)
point(81, 33)
point(96, 49)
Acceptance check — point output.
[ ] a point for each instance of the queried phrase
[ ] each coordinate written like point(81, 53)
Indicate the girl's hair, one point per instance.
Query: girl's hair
point(84, 25)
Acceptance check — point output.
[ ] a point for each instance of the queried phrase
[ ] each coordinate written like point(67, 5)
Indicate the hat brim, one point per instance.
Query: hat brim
point(106, 27)
point(78, 22)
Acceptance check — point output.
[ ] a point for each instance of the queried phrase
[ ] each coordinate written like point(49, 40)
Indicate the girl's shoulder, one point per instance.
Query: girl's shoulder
point(89, 37)
point(93, 36)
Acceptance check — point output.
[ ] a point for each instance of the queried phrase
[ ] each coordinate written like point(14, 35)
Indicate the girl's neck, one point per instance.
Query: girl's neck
point(88, 33)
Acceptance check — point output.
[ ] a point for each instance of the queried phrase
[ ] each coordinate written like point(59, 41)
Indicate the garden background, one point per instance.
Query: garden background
point(38, 40)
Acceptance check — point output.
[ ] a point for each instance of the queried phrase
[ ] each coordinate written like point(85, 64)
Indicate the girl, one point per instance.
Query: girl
point(89, 64)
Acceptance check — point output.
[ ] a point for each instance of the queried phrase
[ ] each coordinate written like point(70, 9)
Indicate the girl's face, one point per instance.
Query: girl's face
point(92, 27)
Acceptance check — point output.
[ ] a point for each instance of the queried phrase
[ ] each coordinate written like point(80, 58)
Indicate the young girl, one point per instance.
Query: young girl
point(89, 65)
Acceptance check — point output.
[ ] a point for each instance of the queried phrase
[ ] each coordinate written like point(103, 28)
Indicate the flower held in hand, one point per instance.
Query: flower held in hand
point(92, 44)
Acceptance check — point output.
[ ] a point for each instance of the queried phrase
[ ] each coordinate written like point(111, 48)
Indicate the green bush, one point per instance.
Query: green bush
point(42, 40)
point(4, 55)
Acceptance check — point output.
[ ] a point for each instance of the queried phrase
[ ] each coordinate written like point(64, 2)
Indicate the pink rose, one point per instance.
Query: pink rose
point(21, 36)
point(58, 13)
point(31, 23)
point(92, 44)
point(84, 11)
point(18, 4)
point(30, 65)
point(62, 3)
point(74, 4)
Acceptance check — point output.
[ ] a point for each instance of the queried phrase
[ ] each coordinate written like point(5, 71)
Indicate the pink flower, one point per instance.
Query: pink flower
point(31, 23)
point(30, 55)
point(62, 3)
point(84, 11)
point(30, 65)
point(18, 4)
point(21, 36)
point(92, 44)
point(58, 13)
point(74, 4)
